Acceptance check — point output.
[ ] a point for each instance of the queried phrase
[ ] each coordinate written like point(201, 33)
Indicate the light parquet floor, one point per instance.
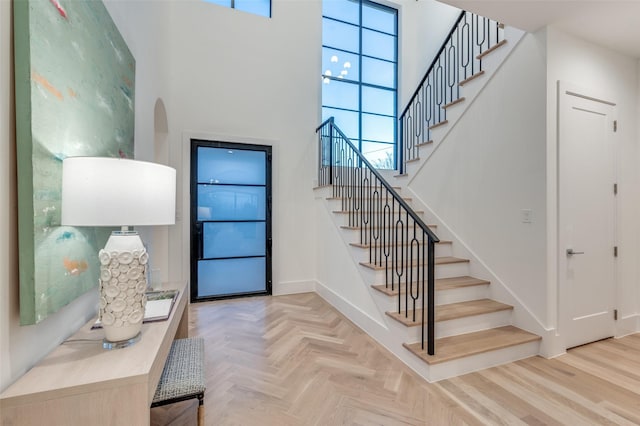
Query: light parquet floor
point(294, 360)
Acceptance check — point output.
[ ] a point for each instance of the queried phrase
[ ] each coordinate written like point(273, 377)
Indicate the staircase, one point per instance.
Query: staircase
point(472, 331)
point(443, 316)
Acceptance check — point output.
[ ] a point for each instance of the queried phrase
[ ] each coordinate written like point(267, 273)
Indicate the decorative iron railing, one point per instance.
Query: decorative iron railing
point(459, 59)
point(398, 241)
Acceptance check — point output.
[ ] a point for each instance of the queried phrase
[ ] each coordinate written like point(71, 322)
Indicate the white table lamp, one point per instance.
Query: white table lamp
point(99, 191)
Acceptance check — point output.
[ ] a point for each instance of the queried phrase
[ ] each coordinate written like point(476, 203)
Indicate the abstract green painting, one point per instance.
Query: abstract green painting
point(74, 81)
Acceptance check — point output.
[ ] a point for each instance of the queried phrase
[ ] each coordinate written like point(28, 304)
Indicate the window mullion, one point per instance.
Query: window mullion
point(360, 80)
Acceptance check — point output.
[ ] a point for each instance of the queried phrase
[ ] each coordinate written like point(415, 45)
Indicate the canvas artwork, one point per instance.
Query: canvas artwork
point(74, 97)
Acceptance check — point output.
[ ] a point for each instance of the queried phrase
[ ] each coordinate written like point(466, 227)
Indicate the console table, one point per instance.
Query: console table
point(79, 383)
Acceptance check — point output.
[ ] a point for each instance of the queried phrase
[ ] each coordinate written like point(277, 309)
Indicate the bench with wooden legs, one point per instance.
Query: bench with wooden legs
point(183, 375)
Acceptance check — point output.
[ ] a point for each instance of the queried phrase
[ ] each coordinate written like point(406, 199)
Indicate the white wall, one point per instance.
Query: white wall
point(142, 25)
point(340, 279)
point(22, 347)
point(491, 166)
point(424, 25)
point(590, 66)
point(248, 77)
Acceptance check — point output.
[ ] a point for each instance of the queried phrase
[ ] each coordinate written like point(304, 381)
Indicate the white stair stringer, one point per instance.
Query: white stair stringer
point(490, 64)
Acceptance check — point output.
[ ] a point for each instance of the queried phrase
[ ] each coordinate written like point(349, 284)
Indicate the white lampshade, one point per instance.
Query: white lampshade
point(100, 191)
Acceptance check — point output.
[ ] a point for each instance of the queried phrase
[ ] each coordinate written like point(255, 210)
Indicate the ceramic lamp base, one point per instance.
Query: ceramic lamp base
point(123, 283)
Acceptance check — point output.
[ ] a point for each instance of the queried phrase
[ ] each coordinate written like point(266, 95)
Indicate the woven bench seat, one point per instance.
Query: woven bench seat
point(183, 375)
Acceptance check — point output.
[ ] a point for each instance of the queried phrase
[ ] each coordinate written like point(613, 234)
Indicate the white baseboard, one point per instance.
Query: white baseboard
point(349, 310)
point(378, 331)
point(627, 325)
point(293, 287)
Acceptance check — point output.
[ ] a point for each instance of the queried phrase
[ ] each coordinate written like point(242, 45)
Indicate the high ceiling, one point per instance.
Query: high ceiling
point(611, 23)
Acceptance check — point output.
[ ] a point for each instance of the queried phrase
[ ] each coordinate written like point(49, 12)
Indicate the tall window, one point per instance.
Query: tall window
point(359, 73)
point(257, 7)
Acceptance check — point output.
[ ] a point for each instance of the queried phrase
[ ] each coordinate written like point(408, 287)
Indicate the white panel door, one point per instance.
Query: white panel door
point(586, 218)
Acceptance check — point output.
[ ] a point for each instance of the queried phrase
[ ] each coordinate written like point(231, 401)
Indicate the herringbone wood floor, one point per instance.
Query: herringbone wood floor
point(294, 360)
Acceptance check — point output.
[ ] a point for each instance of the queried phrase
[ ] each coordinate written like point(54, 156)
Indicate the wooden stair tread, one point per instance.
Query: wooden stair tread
point(322, 187)
point(459, 282)
point(491, 49)
point(456, 102)
point(464, 345)
point(430, 141)
point(408, 199)
point(471, 78)
point(445, 260)
point(366, 246)
point(453, 311)
point(442, 260)
point(358, 228)
point(375, 213)
point(397, 188)
point(441, 123)
point(441, 285)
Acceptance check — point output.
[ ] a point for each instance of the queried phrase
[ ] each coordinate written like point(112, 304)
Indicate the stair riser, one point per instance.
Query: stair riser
point(466, 325)
point(391, 305)
point(441, 271)
point(377, 238)
point(443, 297)
point(463, 294)
point(482, 361)
point(377, 216)
point(379, 233)
point(378, 220)
point(402, 332)
point(335, 204)
point(362, 254)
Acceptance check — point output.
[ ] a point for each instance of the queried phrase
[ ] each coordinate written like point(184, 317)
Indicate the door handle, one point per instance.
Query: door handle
point(570, 252)
point(199, 241)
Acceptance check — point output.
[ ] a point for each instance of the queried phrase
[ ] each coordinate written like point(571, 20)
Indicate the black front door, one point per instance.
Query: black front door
point(230, 220)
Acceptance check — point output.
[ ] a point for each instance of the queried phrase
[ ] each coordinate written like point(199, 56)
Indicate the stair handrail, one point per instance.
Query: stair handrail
point(349, 173)
point(435, 60)
point(384, 182)
point(473, 35)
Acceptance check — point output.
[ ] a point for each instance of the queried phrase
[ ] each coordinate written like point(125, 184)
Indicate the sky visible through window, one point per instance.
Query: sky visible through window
point(359, 72)
point(257, 7)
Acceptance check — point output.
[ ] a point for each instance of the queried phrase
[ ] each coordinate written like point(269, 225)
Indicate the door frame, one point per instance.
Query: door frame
point(565, 90)
point(194, 143)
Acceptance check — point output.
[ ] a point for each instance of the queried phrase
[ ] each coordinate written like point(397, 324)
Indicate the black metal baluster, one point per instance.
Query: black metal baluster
point(392, 240)
point(386, 238)
point(431, 312)
point(399, 255)
point(428, 106)
point(375, 229)
point(415, 284)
